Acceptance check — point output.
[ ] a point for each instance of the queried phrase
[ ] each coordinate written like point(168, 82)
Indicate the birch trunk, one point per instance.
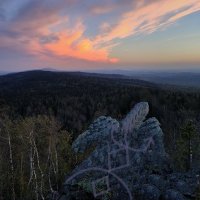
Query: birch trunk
point(12, 167)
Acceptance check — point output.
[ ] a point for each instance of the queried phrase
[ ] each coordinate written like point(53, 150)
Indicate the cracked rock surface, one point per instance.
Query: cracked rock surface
point(129, 162)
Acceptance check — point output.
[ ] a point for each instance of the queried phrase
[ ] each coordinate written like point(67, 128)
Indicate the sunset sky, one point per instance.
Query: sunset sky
point(99, 34)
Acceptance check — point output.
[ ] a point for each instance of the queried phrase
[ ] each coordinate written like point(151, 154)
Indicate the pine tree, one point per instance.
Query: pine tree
point(185, 146)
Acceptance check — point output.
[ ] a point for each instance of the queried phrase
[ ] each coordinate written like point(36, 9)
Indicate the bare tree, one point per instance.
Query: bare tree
point(11, 166)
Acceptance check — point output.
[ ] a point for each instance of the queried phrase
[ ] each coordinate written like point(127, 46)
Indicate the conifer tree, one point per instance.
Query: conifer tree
point(185, 146)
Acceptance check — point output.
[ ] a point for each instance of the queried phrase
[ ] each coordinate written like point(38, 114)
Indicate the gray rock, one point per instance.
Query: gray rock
point(158, 181)
point(150, 192)
point(183, 187)
point(98, 133)
point(173, 195)
point(130, 154)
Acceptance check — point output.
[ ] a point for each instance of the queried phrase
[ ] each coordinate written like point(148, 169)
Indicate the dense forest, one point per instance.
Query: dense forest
point(41, 113)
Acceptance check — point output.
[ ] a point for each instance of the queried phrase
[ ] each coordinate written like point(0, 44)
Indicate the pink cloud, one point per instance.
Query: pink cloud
point(97, 10)
point(149, 17)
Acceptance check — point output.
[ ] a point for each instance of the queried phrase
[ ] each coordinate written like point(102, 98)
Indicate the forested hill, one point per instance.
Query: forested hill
point(45, 76)
point(76, 98)
point(71, 96)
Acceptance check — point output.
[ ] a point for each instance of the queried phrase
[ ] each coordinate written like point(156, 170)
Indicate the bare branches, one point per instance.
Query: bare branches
point(31, 150)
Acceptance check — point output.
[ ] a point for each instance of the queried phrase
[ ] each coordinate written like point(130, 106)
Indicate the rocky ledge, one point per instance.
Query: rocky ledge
point(128, 161)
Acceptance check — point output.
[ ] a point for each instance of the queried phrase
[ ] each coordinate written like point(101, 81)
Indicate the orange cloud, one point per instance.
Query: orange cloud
point(74, 44)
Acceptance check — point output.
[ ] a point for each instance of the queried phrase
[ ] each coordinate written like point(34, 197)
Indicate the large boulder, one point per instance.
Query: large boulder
point(129, 160)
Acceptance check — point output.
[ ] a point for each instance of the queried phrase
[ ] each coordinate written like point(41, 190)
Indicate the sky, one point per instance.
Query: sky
point(94, 34)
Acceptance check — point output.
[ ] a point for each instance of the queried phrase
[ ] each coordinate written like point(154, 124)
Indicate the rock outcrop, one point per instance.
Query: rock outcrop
point(128, 162)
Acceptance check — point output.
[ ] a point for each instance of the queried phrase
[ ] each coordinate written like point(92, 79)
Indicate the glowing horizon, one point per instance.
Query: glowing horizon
point(75, 34)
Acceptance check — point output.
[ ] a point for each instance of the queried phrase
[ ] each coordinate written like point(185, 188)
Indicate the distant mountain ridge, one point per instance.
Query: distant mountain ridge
point(3, 73)
point(169, 77)
point(150, 78)
point(42, 75)
point(179, 79)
